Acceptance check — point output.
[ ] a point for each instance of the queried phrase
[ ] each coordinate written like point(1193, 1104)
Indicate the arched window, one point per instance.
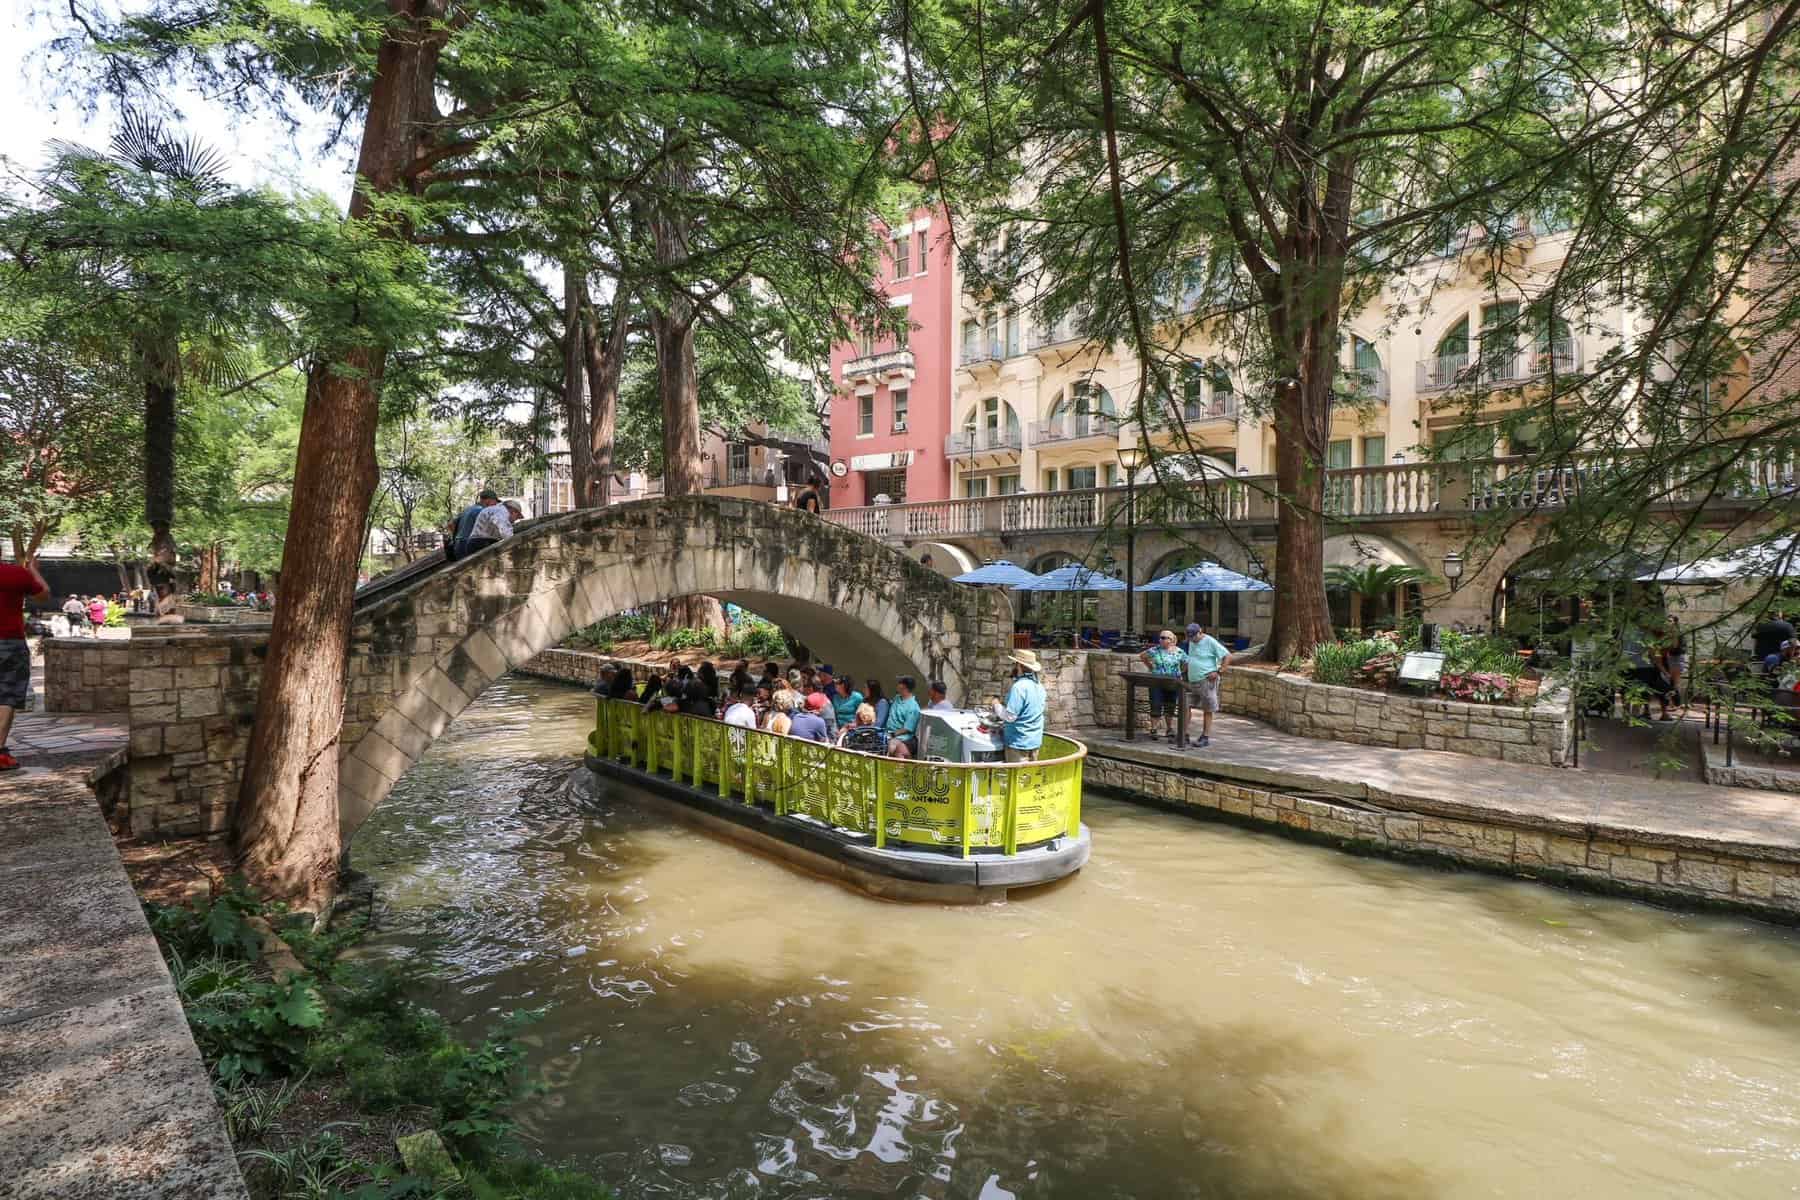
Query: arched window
point(1084, 408)
point(991, 424)
point(1451, 358)
point(1217, 611)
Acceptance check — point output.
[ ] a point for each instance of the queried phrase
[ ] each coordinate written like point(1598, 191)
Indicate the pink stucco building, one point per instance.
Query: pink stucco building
point(890, 403)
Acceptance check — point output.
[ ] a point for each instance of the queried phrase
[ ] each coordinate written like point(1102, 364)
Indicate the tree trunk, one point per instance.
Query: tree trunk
point(575, 405)
point(158, 361)
point(605, 360)
point(1302, 616)
point(287, 817)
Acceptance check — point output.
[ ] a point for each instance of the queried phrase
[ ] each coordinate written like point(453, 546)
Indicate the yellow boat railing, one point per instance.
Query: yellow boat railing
point(904, 802)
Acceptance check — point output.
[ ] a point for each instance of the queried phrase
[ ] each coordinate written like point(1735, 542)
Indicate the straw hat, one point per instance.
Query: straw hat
point(1027, 659)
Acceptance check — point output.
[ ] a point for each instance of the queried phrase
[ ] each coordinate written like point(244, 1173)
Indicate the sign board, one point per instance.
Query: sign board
point(1421, 669)
point(881, 462)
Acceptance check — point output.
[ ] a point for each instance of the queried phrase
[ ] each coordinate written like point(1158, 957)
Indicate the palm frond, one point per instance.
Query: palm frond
point(143, 142)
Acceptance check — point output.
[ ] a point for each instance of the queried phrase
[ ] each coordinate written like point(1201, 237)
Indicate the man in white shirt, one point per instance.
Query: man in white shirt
point(742, 712)
point(940, 698)
point(491, 524)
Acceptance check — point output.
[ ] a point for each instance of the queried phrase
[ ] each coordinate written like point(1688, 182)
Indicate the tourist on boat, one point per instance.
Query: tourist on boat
point(771, 677)
point(709, 676)
point(742, 709)
point(1021, 718)
point(624, 687)
point(653, 692)
point(902, 724)
point(845, 701)
point(940, 697)
point(872, 693)
point(862, 733)
point(604, 685)
point(1204, 656)
point(697, 699)
point(810, 723)
point(741, 678)
point(780, 722)
point(1164, 658)
point(782, 703)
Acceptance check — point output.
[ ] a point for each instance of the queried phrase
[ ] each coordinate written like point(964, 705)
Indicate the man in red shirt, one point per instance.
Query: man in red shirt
point(17, 584)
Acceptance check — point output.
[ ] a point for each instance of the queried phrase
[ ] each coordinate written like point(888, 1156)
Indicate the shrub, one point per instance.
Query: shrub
point(1465, 653)
point(603, 635)
point(1479, 687)
point(1339, 662)
point(210, 599)
point(684, 638)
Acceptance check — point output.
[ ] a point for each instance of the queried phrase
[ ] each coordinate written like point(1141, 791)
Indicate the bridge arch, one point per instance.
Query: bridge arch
point(422, 654)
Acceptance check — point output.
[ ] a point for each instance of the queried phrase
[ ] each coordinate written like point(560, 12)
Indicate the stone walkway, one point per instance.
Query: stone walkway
point(1577, 802)
point(102, 1092)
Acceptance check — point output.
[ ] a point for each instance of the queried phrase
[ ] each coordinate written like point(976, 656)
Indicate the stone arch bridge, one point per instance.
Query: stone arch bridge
point(423, 648)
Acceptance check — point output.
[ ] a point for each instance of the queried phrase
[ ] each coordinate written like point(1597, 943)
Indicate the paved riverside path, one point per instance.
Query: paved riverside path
point(1742, 821)
point(102, 1091)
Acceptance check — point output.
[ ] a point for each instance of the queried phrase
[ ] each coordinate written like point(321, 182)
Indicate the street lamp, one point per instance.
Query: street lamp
point(1399, 458)
point(1453, 569)
point(1129, 456)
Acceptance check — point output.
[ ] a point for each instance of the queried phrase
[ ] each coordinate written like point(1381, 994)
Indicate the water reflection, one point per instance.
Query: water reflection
point(1203, 1012)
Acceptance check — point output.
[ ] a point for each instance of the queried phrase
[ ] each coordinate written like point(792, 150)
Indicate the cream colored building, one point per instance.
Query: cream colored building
point(1038, 410)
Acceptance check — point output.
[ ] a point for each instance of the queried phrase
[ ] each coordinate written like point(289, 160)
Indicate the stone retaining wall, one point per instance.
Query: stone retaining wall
point(86, 675)
point(568, 666)
point(1538, 734)
point(193, 701)
point(1598, 858)
point(230, 614)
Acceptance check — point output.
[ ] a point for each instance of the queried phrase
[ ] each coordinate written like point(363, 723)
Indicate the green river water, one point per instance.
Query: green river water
point(1202, 1012)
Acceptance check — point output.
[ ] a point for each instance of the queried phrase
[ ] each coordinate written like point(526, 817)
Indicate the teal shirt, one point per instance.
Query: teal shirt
point(903, 716)
point(1204, 657)
point(845, 708)
point(1026, 703)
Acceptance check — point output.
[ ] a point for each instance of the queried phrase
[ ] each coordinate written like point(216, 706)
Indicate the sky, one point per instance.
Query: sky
point(259, 151)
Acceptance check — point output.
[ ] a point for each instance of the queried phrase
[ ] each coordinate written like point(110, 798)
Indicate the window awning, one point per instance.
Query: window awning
point(882, 462)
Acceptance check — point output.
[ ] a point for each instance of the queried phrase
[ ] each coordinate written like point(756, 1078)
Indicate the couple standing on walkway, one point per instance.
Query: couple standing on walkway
point(483, 523)
point(1196, 662)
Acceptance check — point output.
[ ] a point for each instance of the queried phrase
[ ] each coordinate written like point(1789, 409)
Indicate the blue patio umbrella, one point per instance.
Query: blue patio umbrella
point(999, 573)
point(1073, 578)
point(1207, 577)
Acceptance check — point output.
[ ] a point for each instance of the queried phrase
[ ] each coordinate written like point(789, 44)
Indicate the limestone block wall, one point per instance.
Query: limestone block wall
point(193, 701)
point(568, 666)
point(1539, 734)
point(211, 614)
point(1604, 859)
point(86, 675)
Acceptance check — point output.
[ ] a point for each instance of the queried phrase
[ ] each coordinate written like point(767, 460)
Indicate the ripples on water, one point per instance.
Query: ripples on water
point(1201, 1013)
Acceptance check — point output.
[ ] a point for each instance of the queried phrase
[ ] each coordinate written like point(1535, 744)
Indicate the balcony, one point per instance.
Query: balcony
point(1506, 368)
point(1220, 408)
point(1064, 333)
point(888, 364)
point(1365, 382)
point(979, 352)
point(1074, 427)
point(982, 441)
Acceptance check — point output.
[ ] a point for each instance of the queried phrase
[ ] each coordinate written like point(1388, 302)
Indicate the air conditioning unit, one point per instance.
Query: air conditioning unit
point(899, 426)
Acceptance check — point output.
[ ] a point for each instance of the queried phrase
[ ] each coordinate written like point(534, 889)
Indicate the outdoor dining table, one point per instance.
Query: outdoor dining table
point(1145, 679)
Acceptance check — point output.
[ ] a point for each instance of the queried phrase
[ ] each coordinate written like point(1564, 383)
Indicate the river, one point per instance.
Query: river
point(1202, 1012)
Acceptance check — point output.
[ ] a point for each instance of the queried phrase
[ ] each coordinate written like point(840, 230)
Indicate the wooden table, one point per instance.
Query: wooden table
point(1144, 679)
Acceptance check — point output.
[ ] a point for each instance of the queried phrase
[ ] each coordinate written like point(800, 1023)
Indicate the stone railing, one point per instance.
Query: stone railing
point(86, 675)
point(223, 614)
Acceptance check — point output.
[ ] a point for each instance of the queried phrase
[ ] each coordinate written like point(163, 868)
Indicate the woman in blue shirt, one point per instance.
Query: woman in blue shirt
point(844, 701)
point(1164, 658)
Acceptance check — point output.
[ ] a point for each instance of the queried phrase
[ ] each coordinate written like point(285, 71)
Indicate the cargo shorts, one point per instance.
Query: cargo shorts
point(15, 672)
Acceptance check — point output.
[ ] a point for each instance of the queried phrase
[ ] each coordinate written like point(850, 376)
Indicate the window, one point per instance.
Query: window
point(865, 414)
point(865, 344)
point(971, 340)
point(1086, 408)
point(992, 344)
point(924, 252)
point(1012, 334)
point(902, 267)
point(1006, 485)
point(1337, 454)
point(976, 488)
point(991, 423)
point(1193, 391)
point(1363, 355)
point(1110, 475)
point(1050, 481)
point(1374, 451)
point(738, 454)
point(1081, 477)
point(900, 398)
point(891, 484)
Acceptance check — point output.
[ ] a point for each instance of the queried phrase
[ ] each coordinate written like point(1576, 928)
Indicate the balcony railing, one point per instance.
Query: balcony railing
point(1500, 369)
point(1367, 381)
point(1074, 427)
point(1219, 408)
point(982, 441)
point(1062, 333)
point(980, 351)
point(885, 362)
point(1365, 493)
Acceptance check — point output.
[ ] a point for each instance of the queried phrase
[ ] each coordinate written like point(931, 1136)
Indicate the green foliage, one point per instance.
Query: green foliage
point(246, 1027)
point(754, 637)
point(601, 635)
point(683, 638)
point(210, 599)
point(1468, 653)
point(1373, 581)
point(1341, 662)
point(251, 1111)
